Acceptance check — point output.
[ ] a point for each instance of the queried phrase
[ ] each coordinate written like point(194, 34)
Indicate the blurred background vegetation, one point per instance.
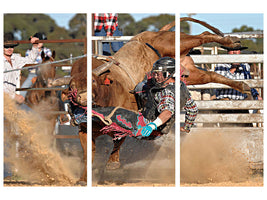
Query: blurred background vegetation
point(25, 25)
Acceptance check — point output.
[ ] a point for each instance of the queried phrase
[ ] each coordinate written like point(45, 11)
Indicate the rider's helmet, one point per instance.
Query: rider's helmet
point(163, 69)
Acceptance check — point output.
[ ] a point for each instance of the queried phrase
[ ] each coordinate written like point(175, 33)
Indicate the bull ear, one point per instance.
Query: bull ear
point(53, 54)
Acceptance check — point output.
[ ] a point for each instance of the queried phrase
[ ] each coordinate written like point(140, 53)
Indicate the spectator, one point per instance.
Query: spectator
point(32, 72)
point(11, 79)
point(106, 24)
point(41, 48)
point(15, 61)
point(236, 71)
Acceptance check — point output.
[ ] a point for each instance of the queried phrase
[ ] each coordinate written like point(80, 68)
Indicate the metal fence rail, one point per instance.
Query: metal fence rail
point(237, 58)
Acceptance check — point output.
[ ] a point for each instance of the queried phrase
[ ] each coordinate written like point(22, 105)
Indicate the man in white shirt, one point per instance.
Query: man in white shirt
point(16, 61)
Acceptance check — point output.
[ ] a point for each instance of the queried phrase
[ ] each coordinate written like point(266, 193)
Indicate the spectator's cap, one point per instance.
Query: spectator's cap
point(39, 35)
point(234, 49)
point(194, 52)
point(8, 40)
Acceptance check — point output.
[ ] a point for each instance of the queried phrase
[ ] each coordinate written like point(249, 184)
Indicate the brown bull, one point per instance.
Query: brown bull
point(136, 58)
point(127, 68)
point(197, 76)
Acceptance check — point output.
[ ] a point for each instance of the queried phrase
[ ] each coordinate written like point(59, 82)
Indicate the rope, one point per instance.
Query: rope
point(38, 65)
point(107, 119)
point(72, 95)
point(109, 59)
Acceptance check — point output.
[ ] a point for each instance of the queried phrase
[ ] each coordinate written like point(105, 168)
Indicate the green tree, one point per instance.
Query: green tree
point(255, 44)
point(243, 28)
point(153, 23)
point(78, 26)
point(25, 25)
point(184, 27)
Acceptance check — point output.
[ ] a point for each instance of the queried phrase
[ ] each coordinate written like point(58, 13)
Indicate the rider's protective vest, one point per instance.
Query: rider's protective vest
point(151, 112)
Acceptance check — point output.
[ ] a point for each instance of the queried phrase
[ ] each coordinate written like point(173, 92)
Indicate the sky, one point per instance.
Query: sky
point(225, 22)
point(62, 19)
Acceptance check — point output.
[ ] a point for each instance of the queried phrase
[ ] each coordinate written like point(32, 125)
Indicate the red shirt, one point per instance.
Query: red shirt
point(108, 20)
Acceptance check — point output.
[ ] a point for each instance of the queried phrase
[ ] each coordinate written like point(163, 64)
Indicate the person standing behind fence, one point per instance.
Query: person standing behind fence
point(15, 61)
point(41, 48)
point(106, 24)
point(236, 71)
point(32, 72)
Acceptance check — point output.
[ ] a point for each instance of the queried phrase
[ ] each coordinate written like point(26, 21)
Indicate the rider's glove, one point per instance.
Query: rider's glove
point(147, 130)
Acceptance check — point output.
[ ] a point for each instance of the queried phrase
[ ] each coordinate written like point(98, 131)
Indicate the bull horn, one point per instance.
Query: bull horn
point(61, 81)
point(102, 68)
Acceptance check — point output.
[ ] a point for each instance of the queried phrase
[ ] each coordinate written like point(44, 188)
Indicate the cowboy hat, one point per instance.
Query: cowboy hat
point(234, 48)
point(8, 41)
point(39, 35)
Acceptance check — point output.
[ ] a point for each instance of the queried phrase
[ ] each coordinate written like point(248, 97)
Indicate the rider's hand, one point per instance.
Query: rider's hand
point(147, 130)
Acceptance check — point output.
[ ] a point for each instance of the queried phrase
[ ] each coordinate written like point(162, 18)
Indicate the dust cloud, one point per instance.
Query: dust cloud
point(143, 162)
point(212, 158)
point(29, 148)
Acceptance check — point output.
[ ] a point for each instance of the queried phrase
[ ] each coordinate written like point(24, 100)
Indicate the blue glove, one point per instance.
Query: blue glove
point(147, 130)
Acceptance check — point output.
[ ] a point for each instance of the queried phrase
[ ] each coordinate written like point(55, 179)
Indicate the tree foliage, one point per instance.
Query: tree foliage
point(25, 25)
point(152, 23)
point(255, 45)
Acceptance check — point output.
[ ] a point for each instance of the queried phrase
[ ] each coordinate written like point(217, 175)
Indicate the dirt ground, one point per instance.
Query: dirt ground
point(205, 159)
point(216, 159)
point(30, 152)
point(143, 163)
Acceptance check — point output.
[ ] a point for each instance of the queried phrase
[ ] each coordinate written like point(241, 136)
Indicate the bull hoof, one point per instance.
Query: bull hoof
point(235, 41)
point(113, 165)
point(81, 183)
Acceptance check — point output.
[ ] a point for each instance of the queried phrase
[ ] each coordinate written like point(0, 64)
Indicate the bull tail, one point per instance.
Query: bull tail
point(215, 30)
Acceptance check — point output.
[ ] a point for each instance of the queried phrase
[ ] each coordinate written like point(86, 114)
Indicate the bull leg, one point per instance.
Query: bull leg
point(83, 140)
point(201, 77)
point(197, 76)
point(93, 150)
point(226, 41)
point(114, 159)
point(190, 41)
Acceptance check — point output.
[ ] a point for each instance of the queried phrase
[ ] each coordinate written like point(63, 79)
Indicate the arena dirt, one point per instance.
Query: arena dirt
point(29, 148)
point(213, 158)
point(143, 162)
